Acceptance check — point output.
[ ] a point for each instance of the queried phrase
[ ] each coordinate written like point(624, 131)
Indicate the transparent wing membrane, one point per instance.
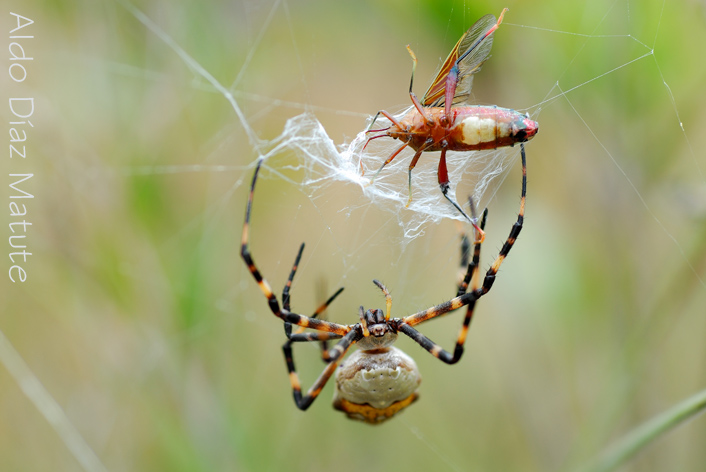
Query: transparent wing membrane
point(470, 52)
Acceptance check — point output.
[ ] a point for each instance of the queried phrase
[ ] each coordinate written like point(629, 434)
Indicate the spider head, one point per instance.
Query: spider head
point(377, 331)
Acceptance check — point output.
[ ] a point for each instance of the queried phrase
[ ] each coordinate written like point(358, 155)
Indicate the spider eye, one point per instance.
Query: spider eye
point(378, 330)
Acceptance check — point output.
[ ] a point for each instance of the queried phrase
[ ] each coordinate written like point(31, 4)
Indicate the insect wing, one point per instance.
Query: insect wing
point(470, 53)
point(438, 86)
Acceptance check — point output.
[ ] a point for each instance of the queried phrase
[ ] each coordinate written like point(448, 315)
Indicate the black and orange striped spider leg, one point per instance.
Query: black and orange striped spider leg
point(280, 312)
point(378, 380)
point(325, 329)
point(466, 268)
point(514, 232)
point(299, 335)
point(333, 357)
point(286, 305)
point(290, 280)
point(475, 293)
point(471, 275)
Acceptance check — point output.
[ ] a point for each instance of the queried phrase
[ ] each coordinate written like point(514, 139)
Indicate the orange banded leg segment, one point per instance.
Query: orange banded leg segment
point(290, 279)
point(471, 274)
point(514, 233)
point(313, 323)
point(433, 348)
point(388, 298)
point(300, 336)
point(272, 302)
point(471, 269)
point(468, 298)
point(462, 285)
point(245, 253)
point(286, 305)
point(439, 310)
point(336, 354)
point(312, 336)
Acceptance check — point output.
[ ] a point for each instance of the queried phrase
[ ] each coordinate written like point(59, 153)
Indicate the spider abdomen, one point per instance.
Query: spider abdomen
point(372, 386)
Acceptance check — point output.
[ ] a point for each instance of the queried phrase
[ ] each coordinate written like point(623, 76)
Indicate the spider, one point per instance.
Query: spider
point(378, 380)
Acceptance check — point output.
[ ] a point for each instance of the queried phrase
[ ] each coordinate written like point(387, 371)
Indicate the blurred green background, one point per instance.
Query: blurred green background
point(143, 324)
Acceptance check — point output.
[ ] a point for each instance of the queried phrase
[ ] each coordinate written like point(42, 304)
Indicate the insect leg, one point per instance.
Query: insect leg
point(386, 115)
point(411, 166)
point(412, 95)
point(443, 175)
point(389, 159)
